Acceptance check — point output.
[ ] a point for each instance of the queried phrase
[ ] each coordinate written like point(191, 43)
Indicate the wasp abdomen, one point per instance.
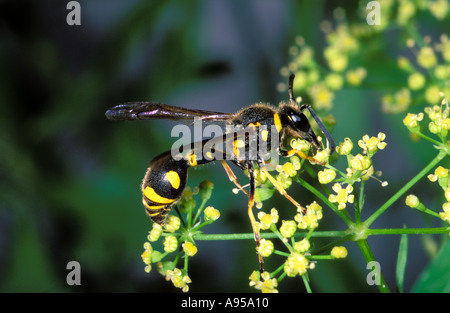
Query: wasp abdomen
point(163, 186)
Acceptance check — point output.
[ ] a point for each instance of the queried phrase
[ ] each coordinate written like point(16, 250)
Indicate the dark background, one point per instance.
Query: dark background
point(69, 179)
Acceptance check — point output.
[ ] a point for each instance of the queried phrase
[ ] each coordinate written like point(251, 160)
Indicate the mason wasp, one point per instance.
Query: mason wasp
point(255, 125)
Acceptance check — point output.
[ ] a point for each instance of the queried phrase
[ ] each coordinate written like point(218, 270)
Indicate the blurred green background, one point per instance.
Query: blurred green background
point(69, 179)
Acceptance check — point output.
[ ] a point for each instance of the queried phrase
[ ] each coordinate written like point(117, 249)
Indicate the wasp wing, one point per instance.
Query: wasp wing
point(152, 110)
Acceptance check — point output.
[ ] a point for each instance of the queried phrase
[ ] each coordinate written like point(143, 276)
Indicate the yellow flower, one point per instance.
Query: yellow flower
point(447, 194)
point(411, 120)
point(439, 173)
point(170, 243)
point(296, 264)
point(211, 214)
point(300, 144)
point(372, 144)
point(322, 156)
point(426, 57)
point(416, 81)
point(334, 81)
point(360, 162)
point(289, 169)
point(295, 161)
point(399, 103)
point(263, 282)
point(172, 224)
point(189, 248)
point(288, 228)
point(338, 62)
point(342, 196)
point(284, 180)
point(268, 219)
point(345, 147)
point(265, 247)
point(178, 279)
point(311, 219)
point(314, 208)
point(302, 245)
point(439, 8)
point(445, 47)
point(406, 11)
point(432, 94)
point(339, 252)
point(147, 256)
point(321, 96)
point(412, 201)
point(355, 77)
point(441, 72)
point(155, 233)
point(326, 176)
point(446, 214)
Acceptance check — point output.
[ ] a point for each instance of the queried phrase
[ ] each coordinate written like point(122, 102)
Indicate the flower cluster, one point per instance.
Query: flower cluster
point(438, 124)
point(176, 233)
point(298, 259)
point(263, 282)
point(440, 175)
point(319, 84)
point(360, 167)
point(427, 78)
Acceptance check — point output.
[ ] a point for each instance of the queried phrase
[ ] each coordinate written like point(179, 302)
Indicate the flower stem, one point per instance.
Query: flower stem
point(247, 236)
point(368, 256)
point(404, 189)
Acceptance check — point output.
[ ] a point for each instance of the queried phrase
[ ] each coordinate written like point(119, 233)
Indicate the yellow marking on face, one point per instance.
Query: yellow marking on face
point(277, 122)
point(264, 134)
point(173, 178)
point(192, 159)
point(209, 155)
point(150, 193)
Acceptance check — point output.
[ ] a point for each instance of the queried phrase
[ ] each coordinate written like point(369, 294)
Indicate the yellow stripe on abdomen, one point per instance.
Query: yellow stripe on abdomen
point(150, 194)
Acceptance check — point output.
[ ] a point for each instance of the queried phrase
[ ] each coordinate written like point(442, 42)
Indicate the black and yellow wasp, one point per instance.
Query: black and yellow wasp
point(255, 125)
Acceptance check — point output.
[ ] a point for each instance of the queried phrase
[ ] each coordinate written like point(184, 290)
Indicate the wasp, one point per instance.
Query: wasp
point(256, 125)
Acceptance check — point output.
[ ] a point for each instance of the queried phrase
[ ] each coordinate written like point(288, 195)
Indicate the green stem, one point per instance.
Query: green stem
point(409, 231)
point(368, 256)
point(344, 234)
point(405, 188)
point(247, 236)
point(199, 211)
point(428, 138)
point(306, 282)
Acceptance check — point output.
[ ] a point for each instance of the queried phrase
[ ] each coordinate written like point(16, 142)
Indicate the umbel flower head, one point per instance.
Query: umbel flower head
point(342, 196)
point(263, 282)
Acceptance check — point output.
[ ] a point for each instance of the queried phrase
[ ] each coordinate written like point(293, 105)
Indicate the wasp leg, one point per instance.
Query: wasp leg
point(233, 177)
point(280, 188)
point(252, 217)
point(300, 154)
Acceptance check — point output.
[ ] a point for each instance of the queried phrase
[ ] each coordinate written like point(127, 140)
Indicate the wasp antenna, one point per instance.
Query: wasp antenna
point(291, 91)
point(324, 130)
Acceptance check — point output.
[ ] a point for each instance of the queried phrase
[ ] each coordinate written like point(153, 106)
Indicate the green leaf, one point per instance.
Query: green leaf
point(401, 262)
point(435, 277)
point(262, 194)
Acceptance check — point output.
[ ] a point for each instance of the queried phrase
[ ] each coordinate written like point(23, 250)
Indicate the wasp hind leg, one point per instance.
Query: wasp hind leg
point(255, 228)
point(277, 185)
